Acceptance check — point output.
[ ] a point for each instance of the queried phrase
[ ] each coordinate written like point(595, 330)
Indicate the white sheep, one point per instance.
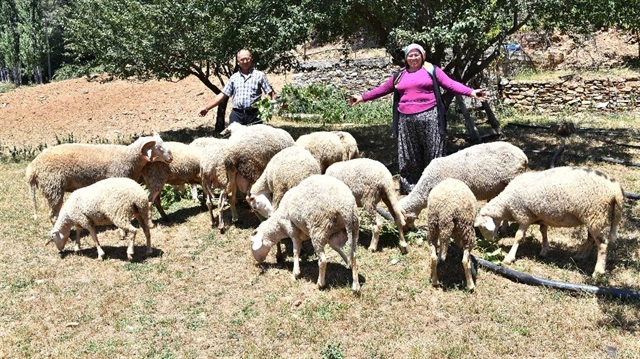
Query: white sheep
point(320, 208)
point(370, 182)
point(485, 168)
point(67, 167)
point(558, 197)
point(285, 170)
point(450, 213)
point(184, 169)
point(246, 156)
point(329, 147)
point(214, 175)
point(114, 201)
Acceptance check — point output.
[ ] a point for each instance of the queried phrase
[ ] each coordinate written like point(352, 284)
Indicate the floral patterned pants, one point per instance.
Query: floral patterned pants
point(419, 141)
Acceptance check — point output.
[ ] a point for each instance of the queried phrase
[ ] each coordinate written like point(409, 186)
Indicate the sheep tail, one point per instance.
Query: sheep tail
point(615, 214)
point(33, 184)
point(352, 227)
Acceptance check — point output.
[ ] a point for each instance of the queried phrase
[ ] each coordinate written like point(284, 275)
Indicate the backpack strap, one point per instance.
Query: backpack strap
point(396, 100)
point(442, 119)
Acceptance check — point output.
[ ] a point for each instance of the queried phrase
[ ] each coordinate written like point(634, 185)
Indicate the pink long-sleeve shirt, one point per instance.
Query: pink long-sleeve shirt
point(416, 90)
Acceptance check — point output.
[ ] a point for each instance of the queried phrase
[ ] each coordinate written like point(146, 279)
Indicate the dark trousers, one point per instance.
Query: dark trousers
point(245, 117)
point(419, 142)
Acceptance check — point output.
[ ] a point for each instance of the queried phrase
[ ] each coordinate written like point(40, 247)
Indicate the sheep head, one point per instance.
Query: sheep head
point(487, 226)
point(59, 237)
point(261, 203)
point(154, 149)
point(260, 246)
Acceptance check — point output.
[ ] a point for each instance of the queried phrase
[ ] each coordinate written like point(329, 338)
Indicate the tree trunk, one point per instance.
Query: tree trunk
point(491, 118)
point(468, 121)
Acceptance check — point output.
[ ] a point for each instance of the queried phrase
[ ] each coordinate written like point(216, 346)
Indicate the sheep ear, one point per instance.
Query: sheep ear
point(48, 241)
point(147, 149)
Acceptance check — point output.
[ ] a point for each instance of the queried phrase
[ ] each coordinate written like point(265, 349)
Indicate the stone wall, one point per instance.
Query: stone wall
point(355, 76)
point(568, 93)
point(572, 93)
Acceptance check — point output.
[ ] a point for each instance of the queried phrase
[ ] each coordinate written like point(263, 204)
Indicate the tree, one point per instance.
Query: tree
point(29, 32)
point(461, 36)
point(165, 39)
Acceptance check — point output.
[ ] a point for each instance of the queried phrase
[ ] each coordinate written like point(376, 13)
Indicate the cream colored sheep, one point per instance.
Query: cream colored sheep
point(114, 201)
point(451, 211)
point(485, 168)
point(246, 156)
point(214, 175)
point(184, 169)
point(320, 208)
point(285, 170)
point(370, 182)
point(329, 147)
point(558, 197)
point(67, 167)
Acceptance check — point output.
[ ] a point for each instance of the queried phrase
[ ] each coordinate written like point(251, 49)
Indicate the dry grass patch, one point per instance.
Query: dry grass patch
point(201, 295)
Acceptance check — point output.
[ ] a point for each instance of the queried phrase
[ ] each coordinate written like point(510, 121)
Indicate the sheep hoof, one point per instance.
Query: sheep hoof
point(355, 288)
point(404, 249)
point(508, 260)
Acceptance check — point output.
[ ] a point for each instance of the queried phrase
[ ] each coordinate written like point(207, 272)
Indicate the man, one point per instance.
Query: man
point(245, 86)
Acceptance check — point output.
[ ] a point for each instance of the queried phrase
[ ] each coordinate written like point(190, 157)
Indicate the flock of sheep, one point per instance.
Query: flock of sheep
point(311, 189)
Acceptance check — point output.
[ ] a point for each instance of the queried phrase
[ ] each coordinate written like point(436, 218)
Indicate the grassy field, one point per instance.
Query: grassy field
point(200, 295)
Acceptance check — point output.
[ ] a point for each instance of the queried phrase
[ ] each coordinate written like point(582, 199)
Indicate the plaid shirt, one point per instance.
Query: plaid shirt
point(246, 89)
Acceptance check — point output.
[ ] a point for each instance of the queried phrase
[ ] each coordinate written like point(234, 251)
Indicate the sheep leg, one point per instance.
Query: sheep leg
point(601, 261)
point(511, 257)
point(145, 229)
point(223, 197)
point(585, 248)
point(545, 241)
point(92, 231)
point(279, 253)
point(131, 246)
point(194, 192)
point(158, 205)
point(467, 268)
point(76, 247)
point(297, 246)
point(232, 189)
point(322, 265)
point(376, 224)
point(433, 242)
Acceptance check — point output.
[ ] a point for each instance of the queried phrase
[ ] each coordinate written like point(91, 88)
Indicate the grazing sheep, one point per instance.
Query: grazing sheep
point(451, 211)
point(184, 169)
point(558, 197)
point(285, 170)
point(350, 144)
point(370, 181)
point(67, 167)
point(486, 168)
point(329, 147)
point(320, 208)
point(247, 155)
point(204, 142)
point(214, 175)
point(114, 201)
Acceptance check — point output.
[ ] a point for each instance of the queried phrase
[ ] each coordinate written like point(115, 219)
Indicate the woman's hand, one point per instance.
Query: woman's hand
point(354, 100)
point(480, 94)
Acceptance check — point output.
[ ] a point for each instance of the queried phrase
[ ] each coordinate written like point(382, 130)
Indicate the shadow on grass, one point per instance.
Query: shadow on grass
point(116, 252)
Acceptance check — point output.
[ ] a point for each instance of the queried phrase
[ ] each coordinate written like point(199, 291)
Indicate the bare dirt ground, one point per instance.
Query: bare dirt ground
point(101, 108)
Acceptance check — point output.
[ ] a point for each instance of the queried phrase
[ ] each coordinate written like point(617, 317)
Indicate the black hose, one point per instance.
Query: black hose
point(531, 280)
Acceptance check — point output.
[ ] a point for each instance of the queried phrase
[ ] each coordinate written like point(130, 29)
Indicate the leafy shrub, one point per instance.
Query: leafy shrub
point(331, 103)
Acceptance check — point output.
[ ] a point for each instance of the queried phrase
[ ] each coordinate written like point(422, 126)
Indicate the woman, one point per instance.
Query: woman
point(421, 137)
